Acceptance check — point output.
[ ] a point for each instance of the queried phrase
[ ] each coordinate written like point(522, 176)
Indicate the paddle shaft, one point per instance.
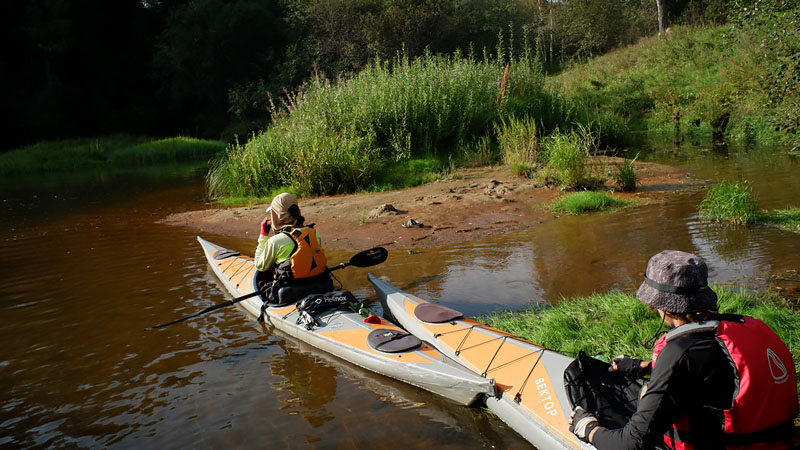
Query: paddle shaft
point(209, 309)
point(366, 258)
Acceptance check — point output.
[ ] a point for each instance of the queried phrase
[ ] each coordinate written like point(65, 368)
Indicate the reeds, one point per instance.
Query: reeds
point(625, 176)
point(338, 136)
point(730, 202)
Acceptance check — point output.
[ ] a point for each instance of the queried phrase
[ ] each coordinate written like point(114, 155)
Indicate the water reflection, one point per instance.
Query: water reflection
point(306, 387)
point(88, 269)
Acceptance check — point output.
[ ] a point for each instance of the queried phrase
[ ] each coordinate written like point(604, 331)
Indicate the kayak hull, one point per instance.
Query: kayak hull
point(344, 334)
point(529, 379)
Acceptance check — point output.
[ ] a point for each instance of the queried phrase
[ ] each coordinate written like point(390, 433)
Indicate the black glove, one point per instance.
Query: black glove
point(582, 423)
point(631, 367)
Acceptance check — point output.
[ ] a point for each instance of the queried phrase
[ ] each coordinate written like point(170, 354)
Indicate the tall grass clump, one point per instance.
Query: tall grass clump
point(625, 176)
point(567, 159)
point(585, 202)
point(519, 144)
point(389, 113)
point(616, 323)
point(731, 202)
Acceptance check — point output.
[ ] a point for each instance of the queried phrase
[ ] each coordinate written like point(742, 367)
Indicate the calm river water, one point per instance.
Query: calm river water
point(88, 268)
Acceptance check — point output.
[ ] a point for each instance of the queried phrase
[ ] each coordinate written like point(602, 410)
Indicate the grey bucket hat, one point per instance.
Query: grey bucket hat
point(677, 282)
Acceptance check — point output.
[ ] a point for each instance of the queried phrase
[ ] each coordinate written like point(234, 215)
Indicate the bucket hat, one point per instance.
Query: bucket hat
point(279, 209)
point(677, 282)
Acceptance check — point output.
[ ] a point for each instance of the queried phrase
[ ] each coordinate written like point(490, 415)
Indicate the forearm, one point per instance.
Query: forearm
point(265, 254)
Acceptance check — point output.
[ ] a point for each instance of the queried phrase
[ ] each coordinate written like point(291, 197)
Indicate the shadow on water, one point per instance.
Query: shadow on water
point(89, 267)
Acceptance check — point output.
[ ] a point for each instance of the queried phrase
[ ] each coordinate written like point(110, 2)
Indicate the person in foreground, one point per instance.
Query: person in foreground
point(289, 252)
point(717, 381)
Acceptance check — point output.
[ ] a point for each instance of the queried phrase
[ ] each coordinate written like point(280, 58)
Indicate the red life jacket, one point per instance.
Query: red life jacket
point(765, 398)
point(307, 258)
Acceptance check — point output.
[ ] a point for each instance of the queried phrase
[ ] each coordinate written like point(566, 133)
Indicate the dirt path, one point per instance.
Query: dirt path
point(467, 205)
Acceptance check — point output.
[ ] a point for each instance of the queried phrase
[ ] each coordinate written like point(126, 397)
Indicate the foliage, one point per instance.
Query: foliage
point(585, 202)
point(601, 324)
point(732, 202)
point(744, 86)
point(519, 144)
point(567, 159)
point(169, 150)
point(336, 136)
point(625, 176)
point(117, 151)
point(788, 219)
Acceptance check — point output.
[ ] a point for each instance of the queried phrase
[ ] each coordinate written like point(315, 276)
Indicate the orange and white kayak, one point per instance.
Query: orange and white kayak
point(529, 379)
point(345, 334)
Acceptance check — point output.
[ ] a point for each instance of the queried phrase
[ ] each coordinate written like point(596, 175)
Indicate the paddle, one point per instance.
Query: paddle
point(367, 258)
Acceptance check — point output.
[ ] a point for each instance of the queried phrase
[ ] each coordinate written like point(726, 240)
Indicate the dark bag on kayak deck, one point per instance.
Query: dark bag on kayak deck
point(318, 303)
point(591, 386)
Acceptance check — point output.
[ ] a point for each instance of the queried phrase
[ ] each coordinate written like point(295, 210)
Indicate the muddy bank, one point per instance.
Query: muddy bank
point(467, 205)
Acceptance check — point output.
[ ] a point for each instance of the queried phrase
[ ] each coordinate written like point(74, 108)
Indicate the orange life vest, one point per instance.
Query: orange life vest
point(307, 259)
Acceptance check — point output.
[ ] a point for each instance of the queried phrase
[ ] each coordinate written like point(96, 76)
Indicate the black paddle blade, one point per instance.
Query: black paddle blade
point(369, 258)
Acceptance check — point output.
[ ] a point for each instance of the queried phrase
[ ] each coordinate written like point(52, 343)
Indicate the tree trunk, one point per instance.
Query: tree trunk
point(662, 16)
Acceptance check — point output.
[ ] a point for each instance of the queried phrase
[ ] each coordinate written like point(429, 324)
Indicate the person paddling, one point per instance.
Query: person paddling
point(716, 381)
point(289, 252)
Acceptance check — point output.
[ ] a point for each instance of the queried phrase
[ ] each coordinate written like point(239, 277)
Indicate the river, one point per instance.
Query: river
point(89, 268)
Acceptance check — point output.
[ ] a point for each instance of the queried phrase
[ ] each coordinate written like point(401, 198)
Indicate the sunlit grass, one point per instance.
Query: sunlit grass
point(787, 219)
point(586, 202)
point(617, 323)
point(731, 202)
point(340, 136)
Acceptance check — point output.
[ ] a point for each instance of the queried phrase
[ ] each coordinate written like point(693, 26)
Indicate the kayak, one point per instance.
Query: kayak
point(345, 334)
point(529, 379)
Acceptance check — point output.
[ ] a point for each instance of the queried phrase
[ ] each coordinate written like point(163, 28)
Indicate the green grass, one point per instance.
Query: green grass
point(162, 151)
point(117, 151)
point(340, 137)
point(616, 323)
point(625, 176)
point(567, 157)
point(730, 202)
point(744, 72)
point(787, 219)
point(519, 144)
point(586, 202)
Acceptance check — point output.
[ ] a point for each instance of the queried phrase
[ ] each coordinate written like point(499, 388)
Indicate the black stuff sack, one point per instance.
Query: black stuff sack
point(591, 386)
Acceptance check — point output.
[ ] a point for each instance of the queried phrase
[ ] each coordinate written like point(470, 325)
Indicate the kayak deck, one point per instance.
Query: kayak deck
point(532, 397)
point(344, 334)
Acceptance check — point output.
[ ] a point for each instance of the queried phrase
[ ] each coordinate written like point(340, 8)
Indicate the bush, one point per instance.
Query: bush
point(732, 202)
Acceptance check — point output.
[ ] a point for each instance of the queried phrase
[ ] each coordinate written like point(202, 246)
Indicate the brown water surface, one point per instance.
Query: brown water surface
point(87, 269)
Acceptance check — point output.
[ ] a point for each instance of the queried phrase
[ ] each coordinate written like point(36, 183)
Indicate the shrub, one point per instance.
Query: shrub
point(732, 202)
